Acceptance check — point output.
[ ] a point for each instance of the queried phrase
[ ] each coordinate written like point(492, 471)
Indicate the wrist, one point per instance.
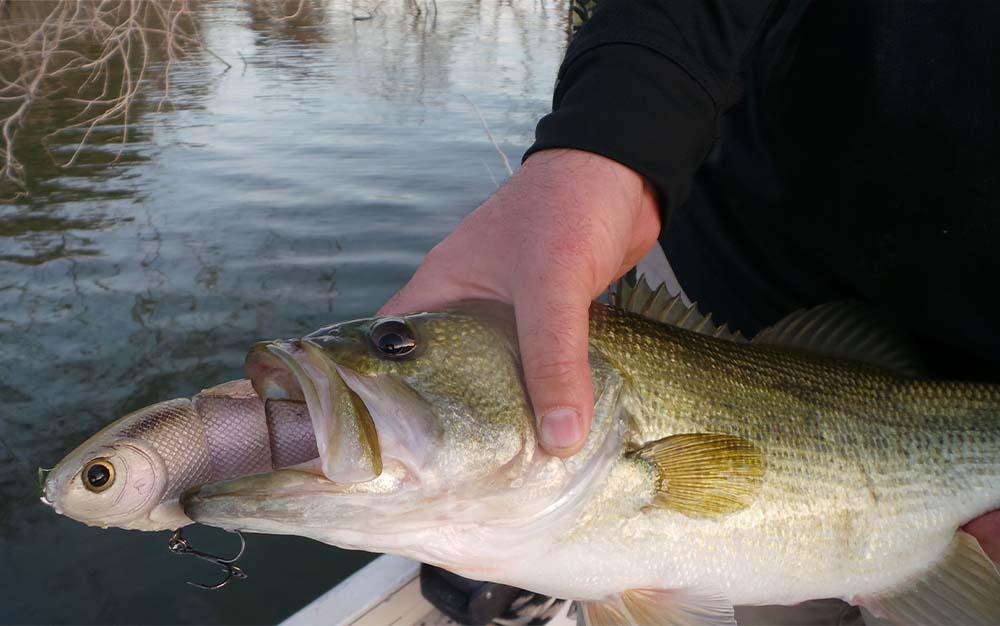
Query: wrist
point(582, 170)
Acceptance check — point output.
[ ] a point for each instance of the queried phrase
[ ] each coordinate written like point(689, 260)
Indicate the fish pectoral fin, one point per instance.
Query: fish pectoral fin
point(846, 330)
point(962, 588)
point(667, 607)
point(705, 474)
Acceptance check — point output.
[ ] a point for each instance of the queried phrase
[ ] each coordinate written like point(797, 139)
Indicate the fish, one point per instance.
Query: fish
point(812, 461)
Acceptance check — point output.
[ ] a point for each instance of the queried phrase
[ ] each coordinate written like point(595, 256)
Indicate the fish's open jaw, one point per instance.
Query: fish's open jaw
point(345, 433)
point(271, 368)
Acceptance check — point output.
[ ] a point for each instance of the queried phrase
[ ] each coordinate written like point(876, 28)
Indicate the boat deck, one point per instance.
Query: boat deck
point(385, 592)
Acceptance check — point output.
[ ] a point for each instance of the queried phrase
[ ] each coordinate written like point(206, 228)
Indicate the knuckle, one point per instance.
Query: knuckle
point(572, 241)
point(561, 331)
point(580, 265)
point(553, 371)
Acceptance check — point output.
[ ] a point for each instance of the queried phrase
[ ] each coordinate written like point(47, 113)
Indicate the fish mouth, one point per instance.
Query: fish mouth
point(274, 371)
point(346, 437)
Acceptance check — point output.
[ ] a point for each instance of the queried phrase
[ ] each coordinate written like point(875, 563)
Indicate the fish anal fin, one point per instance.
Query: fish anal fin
point(607, 613)
point(667, 607)
point(962, 588)
point(705, 474)
point(847, 330)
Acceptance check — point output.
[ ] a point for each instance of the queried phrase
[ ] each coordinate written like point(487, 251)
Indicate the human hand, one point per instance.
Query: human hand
point(548, 242)
point(986, 529)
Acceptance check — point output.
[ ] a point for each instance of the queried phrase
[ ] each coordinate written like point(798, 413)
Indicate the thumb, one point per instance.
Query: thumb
point(986, 529)
point(552, 328)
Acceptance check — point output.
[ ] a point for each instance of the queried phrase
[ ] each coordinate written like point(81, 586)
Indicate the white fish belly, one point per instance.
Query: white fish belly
point(840, 542)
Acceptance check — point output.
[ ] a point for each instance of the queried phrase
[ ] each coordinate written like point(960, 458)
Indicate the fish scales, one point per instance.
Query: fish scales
point(717, 471)
point(853, 452)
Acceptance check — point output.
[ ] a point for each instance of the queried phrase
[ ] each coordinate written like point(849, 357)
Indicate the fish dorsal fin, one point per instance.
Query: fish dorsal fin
point(636, 296)
point(846, 330)
point(705, 474)
point(962, 588)
point(667, 607)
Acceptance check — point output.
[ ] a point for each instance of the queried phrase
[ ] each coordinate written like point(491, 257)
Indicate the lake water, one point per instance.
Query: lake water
point(300, 187)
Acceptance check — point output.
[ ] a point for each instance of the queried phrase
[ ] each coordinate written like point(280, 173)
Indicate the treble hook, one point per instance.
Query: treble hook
point(179, 545)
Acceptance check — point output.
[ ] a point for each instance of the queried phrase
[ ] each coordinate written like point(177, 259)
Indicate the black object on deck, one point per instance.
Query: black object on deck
point(469, 602)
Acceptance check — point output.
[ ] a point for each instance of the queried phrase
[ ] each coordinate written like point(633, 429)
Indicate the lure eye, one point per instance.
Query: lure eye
point(98, 475)
point(392, 338)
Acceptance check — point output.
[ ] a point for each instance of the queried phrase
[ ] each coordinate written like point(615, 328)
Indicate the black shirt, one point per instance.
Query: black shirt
point(809, 151)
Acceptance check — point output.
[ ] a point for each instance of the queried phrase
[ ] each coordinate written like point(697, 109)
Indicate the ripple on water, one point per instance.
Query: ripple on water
point(269, 200)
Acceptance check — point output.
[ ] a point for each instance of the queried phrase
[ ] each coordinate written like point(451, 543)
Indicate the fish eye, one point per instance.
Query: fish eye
point(98, 475)
point(392, 338)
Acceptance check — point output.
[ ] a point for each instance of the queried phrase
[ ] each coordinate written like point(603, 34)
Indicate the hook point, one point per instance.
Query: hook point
point(178, 544)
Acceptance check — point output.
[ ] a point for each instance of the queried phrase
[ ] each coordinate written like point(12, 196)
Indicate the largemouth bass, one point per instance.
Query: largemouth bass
point(808, 463)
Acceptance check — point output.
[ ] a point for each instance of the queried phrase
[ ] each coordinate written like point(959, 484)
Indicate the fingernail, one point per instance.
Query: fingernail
point(560, 429)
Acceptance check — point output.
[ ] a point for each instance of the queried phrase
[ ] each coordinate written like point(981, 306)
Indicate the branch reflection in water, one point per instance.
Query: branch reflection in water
point(213, 207)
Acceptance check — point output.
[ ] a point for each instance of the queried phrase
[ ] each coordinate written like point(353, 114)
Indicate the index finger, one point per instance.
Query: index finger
point(552, 326)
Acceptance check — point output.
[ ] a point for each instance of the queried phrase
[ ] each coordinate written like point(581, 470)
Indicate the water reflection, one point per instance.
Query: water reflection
point(298, 187)
point(294, 21)
point(75, 81)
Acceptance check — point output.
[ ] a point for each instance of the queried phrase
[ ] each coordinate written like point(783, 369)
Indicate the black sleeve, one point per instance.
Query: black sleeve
point(645, 82)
